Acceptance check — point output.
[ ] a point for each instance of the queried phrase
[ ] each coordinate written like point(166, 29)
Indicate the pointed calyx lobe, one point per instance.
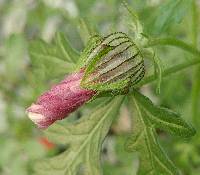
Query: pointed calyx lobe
point(110, 63)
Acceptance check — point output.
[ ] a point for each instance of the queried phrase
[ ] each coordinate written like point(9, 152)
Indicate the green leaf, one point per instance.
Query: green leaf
point(68, 52)
point(51, 59)
point(153, 160)
point(170, 12)
point(84, 138)
point(86, 30)
point(146, 118)
point(164, 118)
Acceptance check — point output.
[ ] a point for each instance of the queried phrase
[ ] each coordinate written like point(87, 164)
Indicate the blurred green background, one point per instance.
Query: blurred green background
point(21, 21)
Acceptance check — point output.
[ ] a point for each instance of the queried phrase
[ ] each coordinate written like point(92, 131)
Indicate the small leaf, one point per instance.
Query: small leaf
point(84, 139)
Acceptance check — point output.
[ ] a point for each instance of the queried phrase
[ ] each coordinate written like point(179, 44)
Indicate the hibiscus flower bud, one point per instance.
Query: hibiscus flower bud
point(111, 66)
point(114, 64)
point(61, 100)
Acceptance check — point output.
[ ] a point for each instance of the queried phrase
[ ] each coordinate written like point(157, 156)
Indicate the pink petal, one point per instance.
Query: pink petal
point(61, 100)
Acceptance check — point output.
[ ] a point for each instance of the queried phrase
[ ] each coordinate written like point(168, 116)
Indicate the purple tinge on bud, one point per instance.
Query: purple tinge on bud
point(61, 100)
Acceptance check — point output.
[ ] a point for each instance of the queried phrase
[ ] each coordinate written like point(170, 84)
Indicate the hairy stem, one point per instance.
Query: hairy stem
point(184, 46)
point(174, 42)
point(169, 71)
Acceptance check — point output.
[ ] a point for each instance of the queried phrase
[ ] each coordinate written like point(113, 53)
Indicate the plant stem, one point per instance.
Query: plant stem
point(196, 70)
point(169, 71)
point(174, 42)
point(187, 47)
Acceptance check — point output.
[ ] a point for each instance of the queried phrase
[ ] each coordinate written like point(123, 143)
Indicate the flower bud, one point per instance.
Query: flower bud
point(114, 64)
point(61, 100)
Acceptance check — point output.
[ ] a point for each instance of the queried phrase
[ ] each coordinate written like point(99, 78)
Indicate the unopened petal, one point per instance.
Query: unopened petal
point(58, 102)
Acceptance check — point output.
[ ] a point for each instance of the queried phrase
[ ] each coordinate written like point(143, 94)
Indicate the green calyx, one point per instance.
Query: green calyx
point(112, 63)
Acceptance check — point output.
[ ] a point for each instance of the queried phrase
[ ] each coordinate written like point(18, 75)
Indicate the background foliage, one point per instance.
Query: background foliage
point(23, 79)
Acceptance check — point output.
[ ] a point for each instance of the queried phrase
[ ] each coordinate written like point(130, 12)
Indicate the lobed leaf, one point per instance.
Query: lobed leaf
point(164, 118)
point(84, 139)
point(53, 59)
point(153, 159)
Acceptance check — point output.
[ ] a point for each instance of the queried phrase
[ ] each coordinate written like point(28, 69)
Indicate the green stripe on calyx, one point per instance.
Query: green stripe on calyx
point(117, 67)
point(92, 63)
point(106, 41)
point(134, 70)
point(117, 51)
point(114, 64)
